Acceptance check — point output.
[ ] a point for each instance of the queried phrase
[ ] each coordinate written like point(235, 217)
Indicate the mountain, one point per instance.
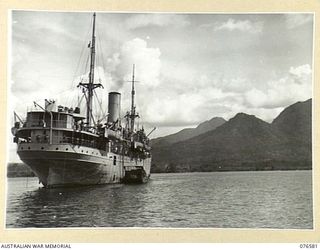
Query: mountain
point(245, 142)
point(188, 133)
point(295, 125)
point(295, 121)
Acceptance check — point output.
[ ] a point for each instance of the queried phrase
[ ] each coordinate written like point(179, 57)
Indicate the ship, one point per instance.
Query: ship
point(66, 148)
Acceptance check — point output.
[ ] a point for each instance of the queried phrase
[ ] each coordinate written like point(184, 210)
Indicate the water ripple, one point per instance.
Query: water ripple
point(219, 200)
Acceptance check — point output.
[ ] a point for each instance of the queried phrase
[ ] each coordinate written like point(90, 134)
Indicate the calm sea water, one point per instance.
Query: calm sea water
point(275, 199)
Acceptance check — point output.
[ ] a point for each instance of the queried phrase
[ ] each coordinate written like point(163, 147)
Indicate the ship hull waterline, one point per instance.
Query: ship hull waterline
point(81, 166)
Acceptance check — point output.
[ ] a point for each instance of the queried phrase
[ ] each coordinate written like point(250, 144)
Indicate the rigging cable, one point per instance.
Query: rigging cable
point(87, 61)
point(102, 113)
point(81, 54)
point(56, 95)
point(101, 49)
point(80, 101)
point(79, 68)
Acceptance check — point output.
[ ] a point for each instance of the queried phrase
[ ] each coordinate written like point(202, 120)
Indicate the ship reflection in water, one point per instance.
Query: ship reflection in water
point(219, 200)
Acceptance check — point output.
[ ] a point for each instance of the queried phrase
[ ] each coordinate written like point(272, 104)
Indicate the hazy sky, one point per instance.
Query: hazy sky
point(191, 67)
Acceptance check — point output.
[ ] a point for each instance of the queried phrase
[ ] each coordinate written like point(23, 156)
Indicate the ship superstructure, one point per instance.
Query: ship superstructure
point(65, 148)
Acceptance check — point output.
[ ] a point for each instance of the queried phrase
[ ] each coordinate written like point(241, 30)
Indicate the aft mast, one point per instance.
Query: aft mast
point(90, 86)
point(133, 114)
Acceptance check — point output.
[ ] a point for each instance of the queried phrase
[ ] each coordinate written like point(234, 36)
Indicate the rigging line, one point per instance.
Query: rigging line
point(80, 101)
point(92, 117)
point(83, 67)
point(63, 97)
point(63, 91)
point(86, 66)
point(101, 49)
point(81, 105)
point(100, 61)
point(73, 98)
point(104, 112)
point(97, 65)
point(23, 100)
point(69, 98)
point(100, 104)
point(77, 67)
point(55, 95)
point(81, 54)
point(85, 62)
point(78, 97)
point(98, 54)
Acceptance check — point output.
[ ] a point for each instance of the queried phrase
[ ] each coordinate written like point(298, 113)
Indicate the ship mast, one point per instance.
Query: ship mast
point(90, 86)
point(133, 114)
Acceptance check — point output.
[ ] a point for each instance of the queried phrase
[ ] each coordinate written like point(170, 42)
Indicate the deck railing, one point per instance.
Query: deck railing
point(62, 140)
point(42, 123)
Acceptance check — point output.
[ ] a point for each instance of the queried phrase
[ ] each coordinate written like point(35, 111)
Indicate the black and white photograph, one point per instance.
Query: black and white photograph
point(160, 120)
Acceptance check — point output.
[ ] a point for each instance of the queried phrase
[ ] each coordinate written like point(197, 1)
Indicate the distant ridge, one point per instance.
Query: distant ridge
point(245, 142)
point(188, 133)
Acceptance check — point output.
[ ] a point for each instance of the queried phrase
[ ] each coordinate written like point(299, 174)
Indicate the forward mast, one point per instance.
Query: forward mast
point(90, 86)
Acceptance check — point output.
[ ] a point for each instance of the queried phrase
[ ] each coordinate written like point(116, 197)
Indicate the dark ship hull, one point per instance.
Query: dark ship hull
point(59, 165)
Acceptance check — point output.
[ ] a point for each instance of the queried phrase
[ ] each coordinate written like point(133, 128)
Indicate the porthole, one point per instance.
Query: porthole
point(114, 160)
point(67, 149)
point(87, 151)
point(42, 148)
point(81, 151)
point(21, 147)
point(28, 147)
point(57, 148)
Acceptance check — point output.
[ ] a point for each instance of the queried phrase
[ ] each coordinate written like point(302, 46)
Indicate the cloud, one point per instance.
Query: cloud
point(184, 100)
point(160, 20)
point(237, 25)
point(146, 60)
point(172, 109)
point(194, 79)
point(296, 86)
point(235, 85)
point(118, 73)
point(189, 98)
point(300, 71)
point(301, 74)
point(296, 20)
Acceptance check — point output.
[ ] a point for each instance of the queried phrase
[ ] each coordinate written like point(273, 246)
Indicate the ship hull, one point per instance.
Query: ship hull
point(68, 165)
